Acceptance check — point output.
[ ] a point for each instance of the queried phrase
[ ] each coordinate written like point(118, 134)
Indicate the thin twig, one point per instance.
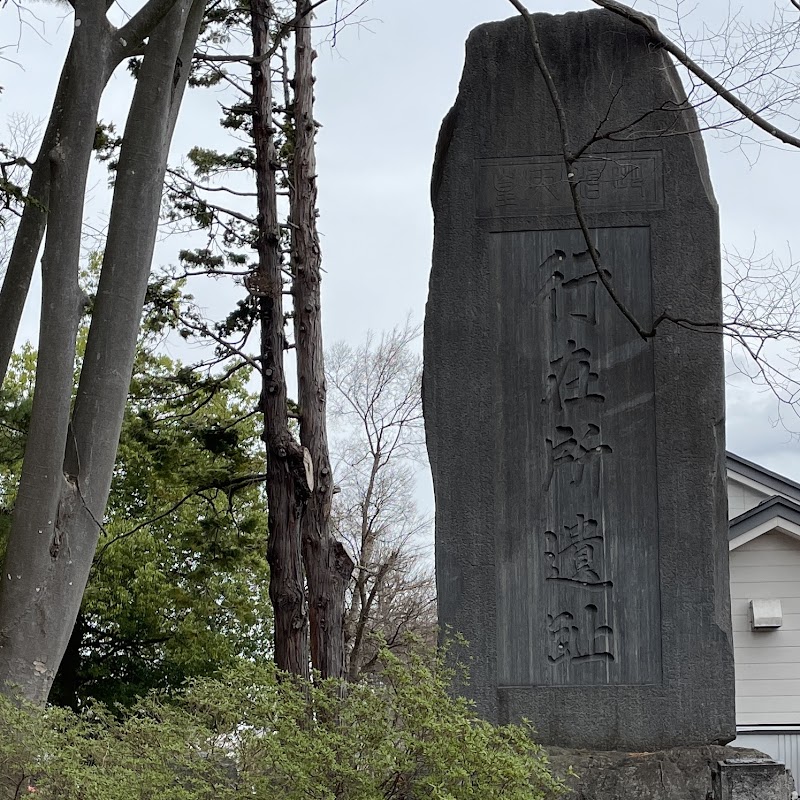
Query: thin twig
point(709, 80)
point(282, 32)
point(235, 483)
point(569, 161)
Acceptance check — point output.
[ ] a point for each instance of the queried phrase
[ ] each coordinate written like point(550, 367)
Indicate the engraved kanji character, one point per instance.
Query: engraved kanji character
point(571, 282)
point(505, 187)
point(589, 179)
point(580, 640)
point(586, 451)
point(542, 177)
point(553, 267)
point(571, 378)
point(575, 555)
point(628, 178)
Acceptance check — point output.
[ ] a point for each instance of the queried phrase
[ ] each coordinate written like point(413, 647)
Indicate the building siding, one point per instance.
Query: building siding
point(767, 674)
point(742, 498)
point(767, 662)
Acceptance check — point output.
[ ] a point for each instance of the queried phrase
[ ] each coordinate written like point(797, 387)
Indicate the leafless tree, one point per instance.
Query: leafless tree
point(376, 409)
point(762, 313)
point(15, 161)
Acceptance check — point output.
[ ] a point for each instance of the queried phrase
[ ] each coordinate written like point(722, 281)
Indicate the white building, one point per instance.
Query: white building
point(764, 540)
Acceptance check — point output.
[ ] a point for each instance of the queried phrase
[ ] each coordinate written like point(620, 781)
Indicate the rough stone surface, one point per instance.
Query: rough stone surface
point(680, 773)
point(578, 468)
point(743, 778)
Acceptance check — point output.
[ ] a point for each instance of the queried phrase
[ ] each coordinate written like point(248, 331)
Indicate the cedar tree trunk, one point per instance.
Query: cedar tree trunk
point(327, 564)
point(287, 485)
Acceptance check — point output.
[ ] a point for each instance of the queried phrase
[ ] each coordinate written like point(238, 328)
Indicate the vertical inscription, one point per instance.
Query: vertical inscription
point(578, 631)
point(578, 576)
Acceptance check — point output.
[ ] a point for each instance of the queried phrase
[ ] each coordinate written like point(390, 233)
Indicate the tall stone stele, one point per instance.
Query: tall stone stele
point(578, 467)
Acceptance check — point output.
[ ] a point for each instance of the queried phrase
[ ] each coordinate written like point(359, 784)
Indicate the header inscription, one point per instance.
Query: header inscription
point(521, 187)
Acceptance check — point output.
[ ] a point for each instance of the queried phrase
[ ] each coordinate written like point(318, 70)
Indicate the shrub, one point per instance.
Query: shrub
point(261, 734)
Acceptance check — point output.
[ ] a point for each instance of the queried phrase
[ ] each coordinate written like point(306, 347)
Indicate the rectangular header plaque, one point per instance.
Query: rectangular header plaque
point(615, 181)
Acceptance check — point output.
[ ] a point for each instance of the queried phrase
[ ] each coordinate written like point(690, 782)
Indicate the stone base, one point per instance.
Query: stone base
point(681, 773)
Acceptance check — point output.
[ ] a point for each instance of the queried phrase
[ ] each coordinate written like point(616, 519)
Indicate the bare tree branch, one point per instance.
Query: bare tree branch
point(279, 37)
point(131, 35)
point(569, 160)
point(709, 80)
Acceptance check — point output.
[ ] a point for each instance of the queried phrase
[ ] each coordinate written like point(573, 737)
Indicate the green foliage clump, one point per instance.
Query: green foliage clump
point(254, 732)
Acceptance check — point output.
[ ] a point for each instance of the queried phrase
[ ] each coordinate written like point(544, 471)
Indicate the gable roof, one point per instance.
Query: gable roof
point(774, 515)
point(761, 479)
point(778, 513)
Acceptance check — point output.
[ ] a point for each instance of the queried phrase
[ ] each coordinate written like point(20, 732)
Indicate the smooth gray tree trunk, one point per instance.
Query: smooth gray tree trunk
point(30, 231)
point(34, 585)
point(62, 498)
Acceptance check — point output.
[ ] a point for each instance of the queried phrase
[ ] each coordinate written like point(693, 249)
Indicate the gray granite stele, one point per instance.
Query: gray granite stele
point(578, 467)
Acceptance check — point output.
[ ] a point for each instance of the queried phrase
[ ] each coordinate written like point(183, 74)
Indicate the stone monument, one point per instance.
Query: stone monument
point(578, 465)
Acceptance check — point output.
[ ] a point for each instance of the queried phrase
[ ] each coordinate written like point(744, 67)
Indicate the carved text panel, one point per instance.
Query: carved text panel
point(578, 568)
point(538, 185)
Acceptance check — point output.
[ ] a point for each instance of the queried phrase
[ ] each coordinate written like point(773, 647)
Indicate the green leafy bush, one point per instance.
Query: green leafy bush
point(258, 734)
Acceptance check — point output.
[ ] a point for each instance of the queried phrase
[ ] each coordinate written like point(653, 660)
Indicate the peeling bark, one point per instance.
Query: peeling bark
point(287, 487)
point(327, 564)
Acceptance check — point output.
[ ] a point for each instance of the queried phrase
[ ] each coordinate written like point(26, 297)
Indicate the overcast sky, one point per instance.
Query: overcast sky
point(381, 94)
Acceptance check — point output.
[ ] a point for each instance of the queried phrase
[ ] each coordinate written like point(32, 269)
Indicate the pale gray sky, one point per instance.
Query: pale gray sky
point(381, 94)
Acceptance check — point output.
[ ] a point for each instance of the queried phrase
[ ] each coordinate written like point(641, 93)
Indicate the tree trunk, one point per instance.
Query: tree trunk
point(62, 497)
point(30, 231)
point(114, 331)
point(36, 583)
point(361, 607)
point(287, 487)
point(328, 566)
